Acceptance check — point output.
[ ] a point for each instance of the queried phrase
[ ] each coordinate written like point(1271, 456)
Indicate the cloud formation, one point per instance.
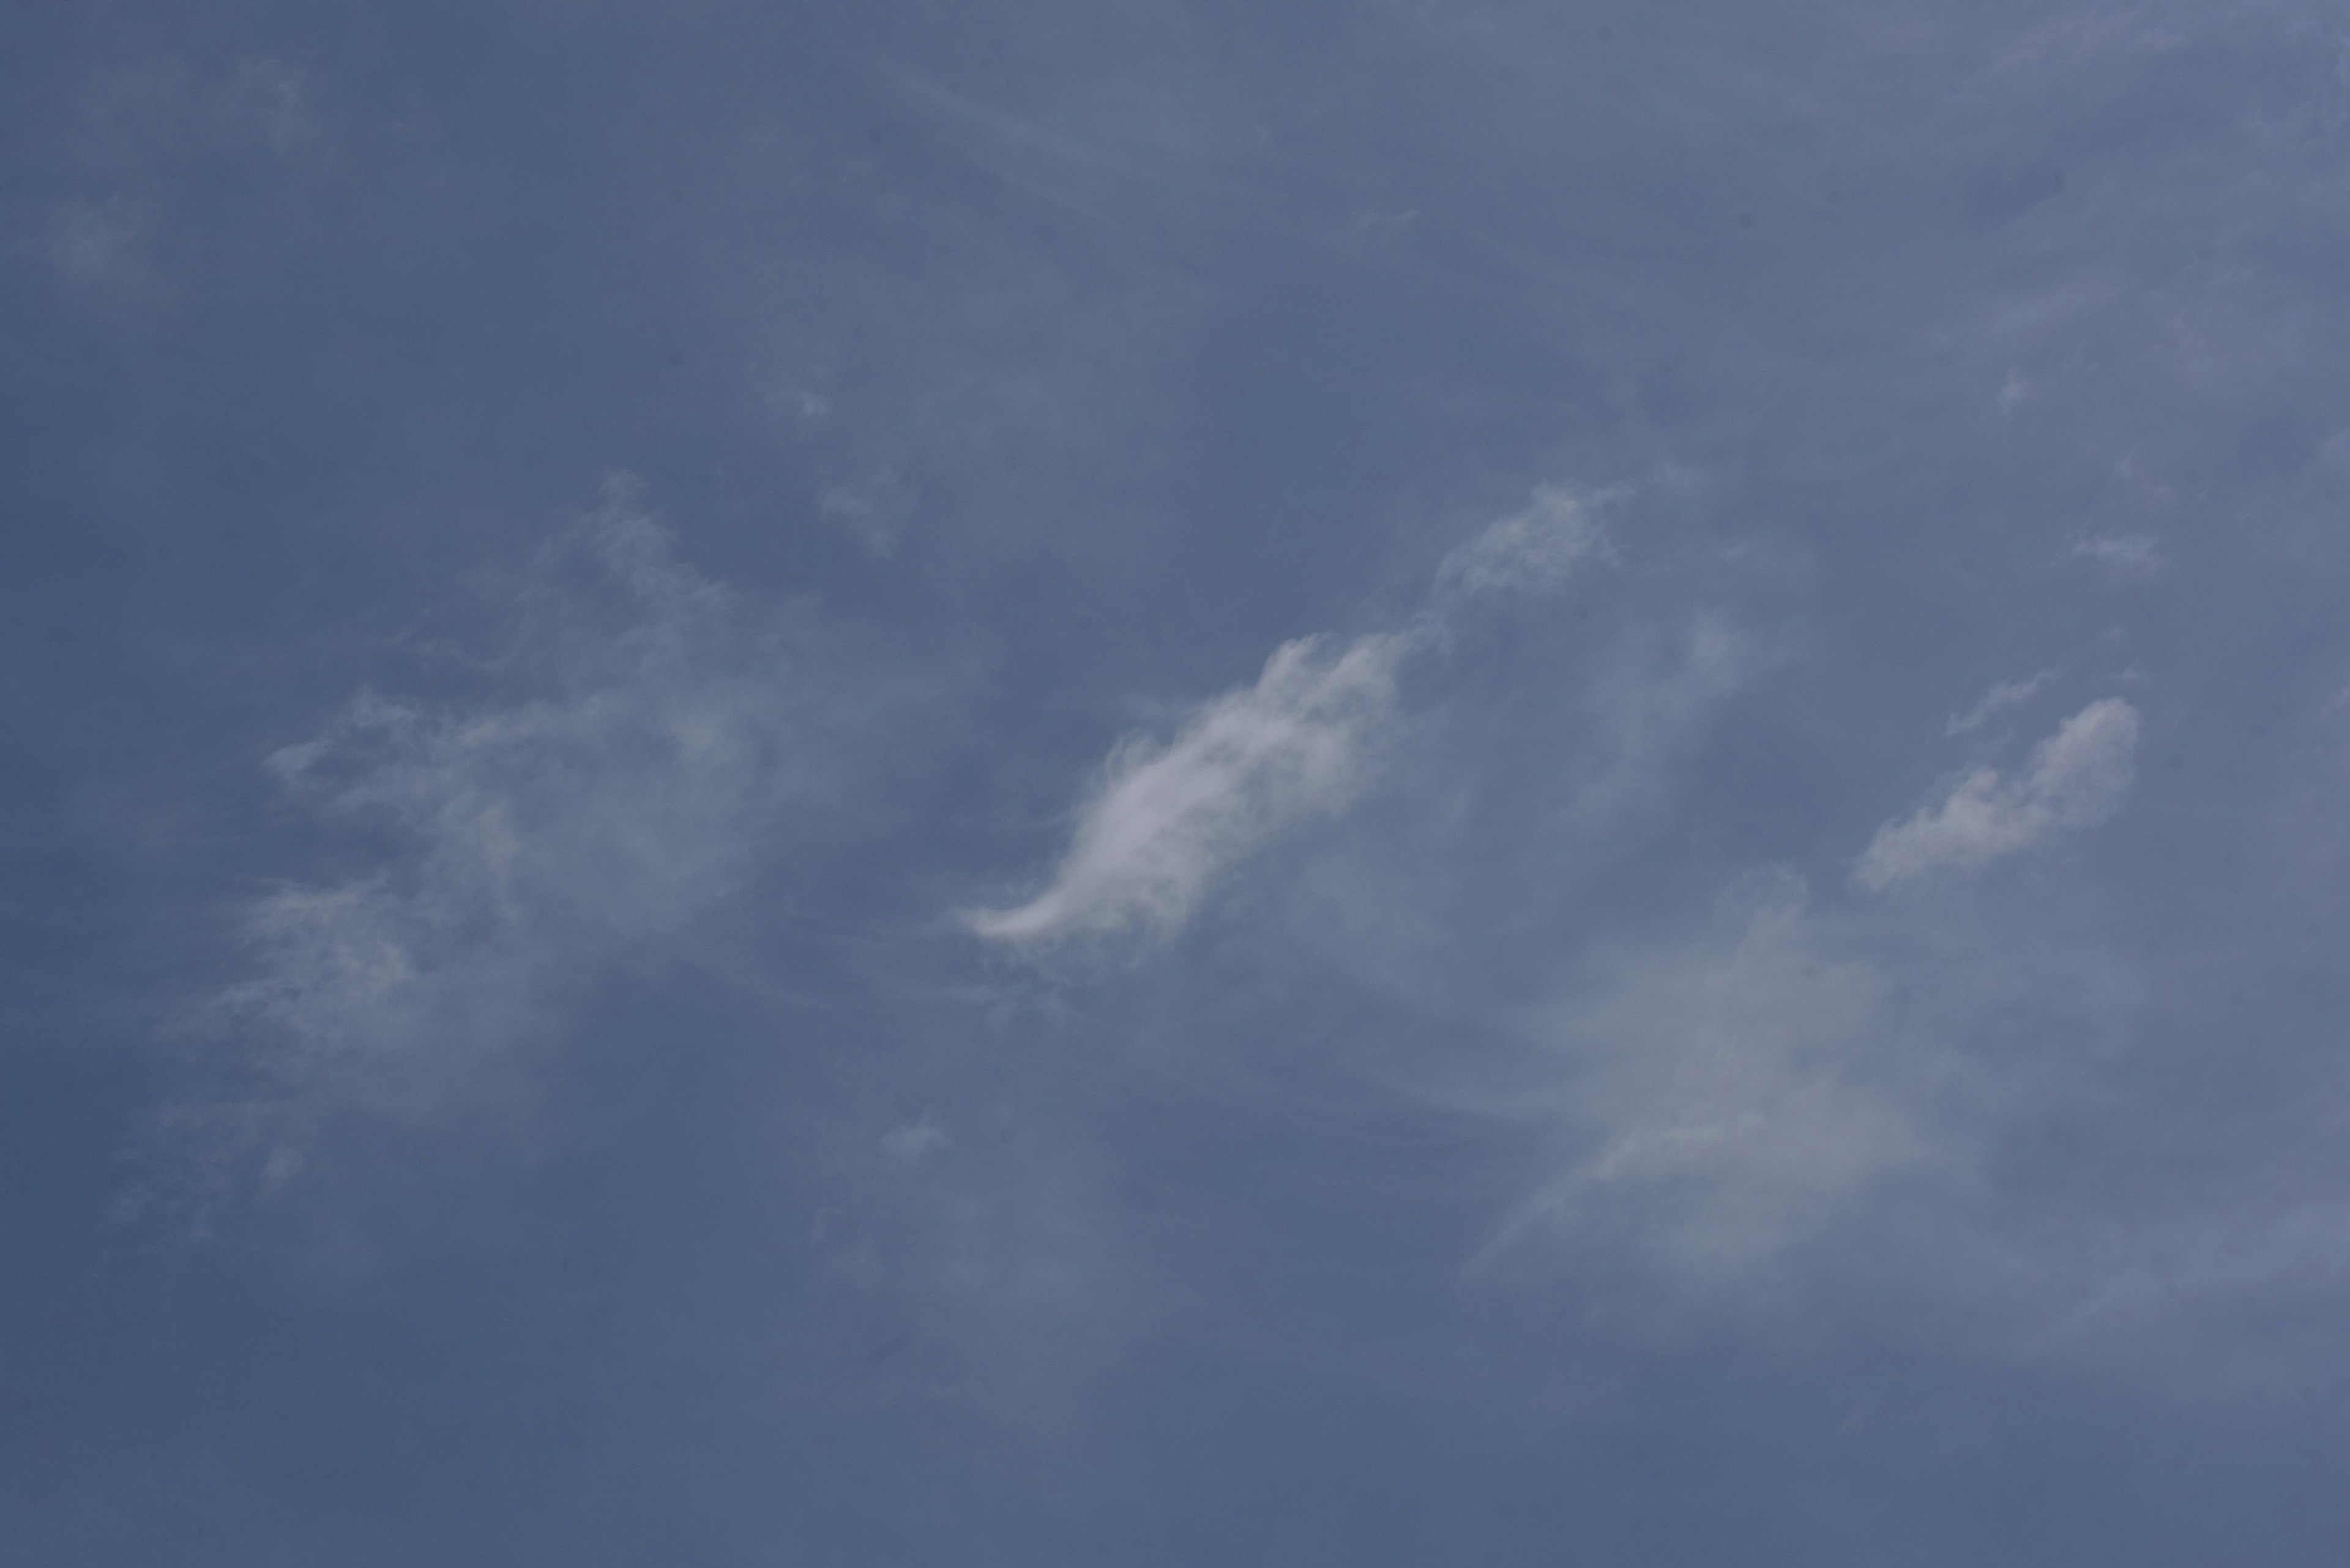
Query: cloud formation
point(2004, 695)
point(1711, 1096)
point(1529, 551)
point(1799, 1104)
point(2075, 778)
point(522, 837)
point(1165, 821)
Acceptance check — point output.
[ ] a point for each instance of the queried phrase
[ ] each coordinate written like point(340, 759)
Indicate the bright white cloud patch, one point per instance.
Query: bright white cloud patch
point(2075, 778)
point(1166, 820)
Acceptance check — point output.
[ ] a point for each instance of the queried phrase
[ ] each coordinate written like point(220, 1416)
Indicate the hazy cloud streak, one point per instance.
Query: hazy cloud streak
point(1707, 1095)
point(2002, 696)
point(524, 836)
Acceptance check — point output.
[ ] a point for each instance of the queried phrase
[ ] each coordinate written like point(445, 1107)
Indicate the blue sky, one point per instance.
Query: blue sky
point(1136, 782)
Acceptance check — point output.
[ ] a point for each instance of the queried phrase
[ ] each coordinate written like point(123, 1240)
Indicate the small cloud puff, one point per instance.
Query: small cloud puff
point(1528, 551)
point(2075, 778)
point(2122, 557)
point(913, 1140)
point(2006, 694)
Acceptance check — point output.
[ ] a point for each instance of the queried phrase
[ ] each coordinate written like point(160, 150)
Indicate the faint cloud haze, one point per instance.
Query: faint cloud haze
point(1529, 551)
point(100, 243)
point(525, 835)
point(2122, 557)
point(1715, 1097)
point(2002, 697)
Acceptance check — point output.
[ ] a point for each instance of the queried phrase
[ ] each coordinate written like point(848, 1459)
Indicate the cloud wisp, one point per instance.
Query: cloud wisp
point(619, 796)
point(2123, 558)
point(1530, 551)
point(1821, 1108)
point(2002, 696)
point(1710, 1096)
point(2075, 778)
point(145, 131)
point(1165, 820)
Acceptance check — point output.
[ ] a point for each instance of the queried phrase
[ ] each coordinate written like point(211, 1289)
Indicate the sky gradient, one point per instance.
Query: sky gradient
point(1166, 784)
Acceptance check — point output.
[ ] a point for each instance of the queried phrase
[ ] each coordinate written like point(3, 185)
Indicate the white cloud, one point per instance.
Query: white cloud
point(1166, 820)
point(2075, 778)
point(2002, 696)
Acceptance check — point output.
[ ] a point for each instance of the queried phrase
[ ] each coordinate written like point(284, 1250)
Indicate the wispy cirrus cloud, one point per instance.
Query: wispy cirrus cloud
point(656, 740)
point(1711, 1100)
point(2075, 778)
point(1166, 819)
point(1530, 551)
point(2002, 696)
